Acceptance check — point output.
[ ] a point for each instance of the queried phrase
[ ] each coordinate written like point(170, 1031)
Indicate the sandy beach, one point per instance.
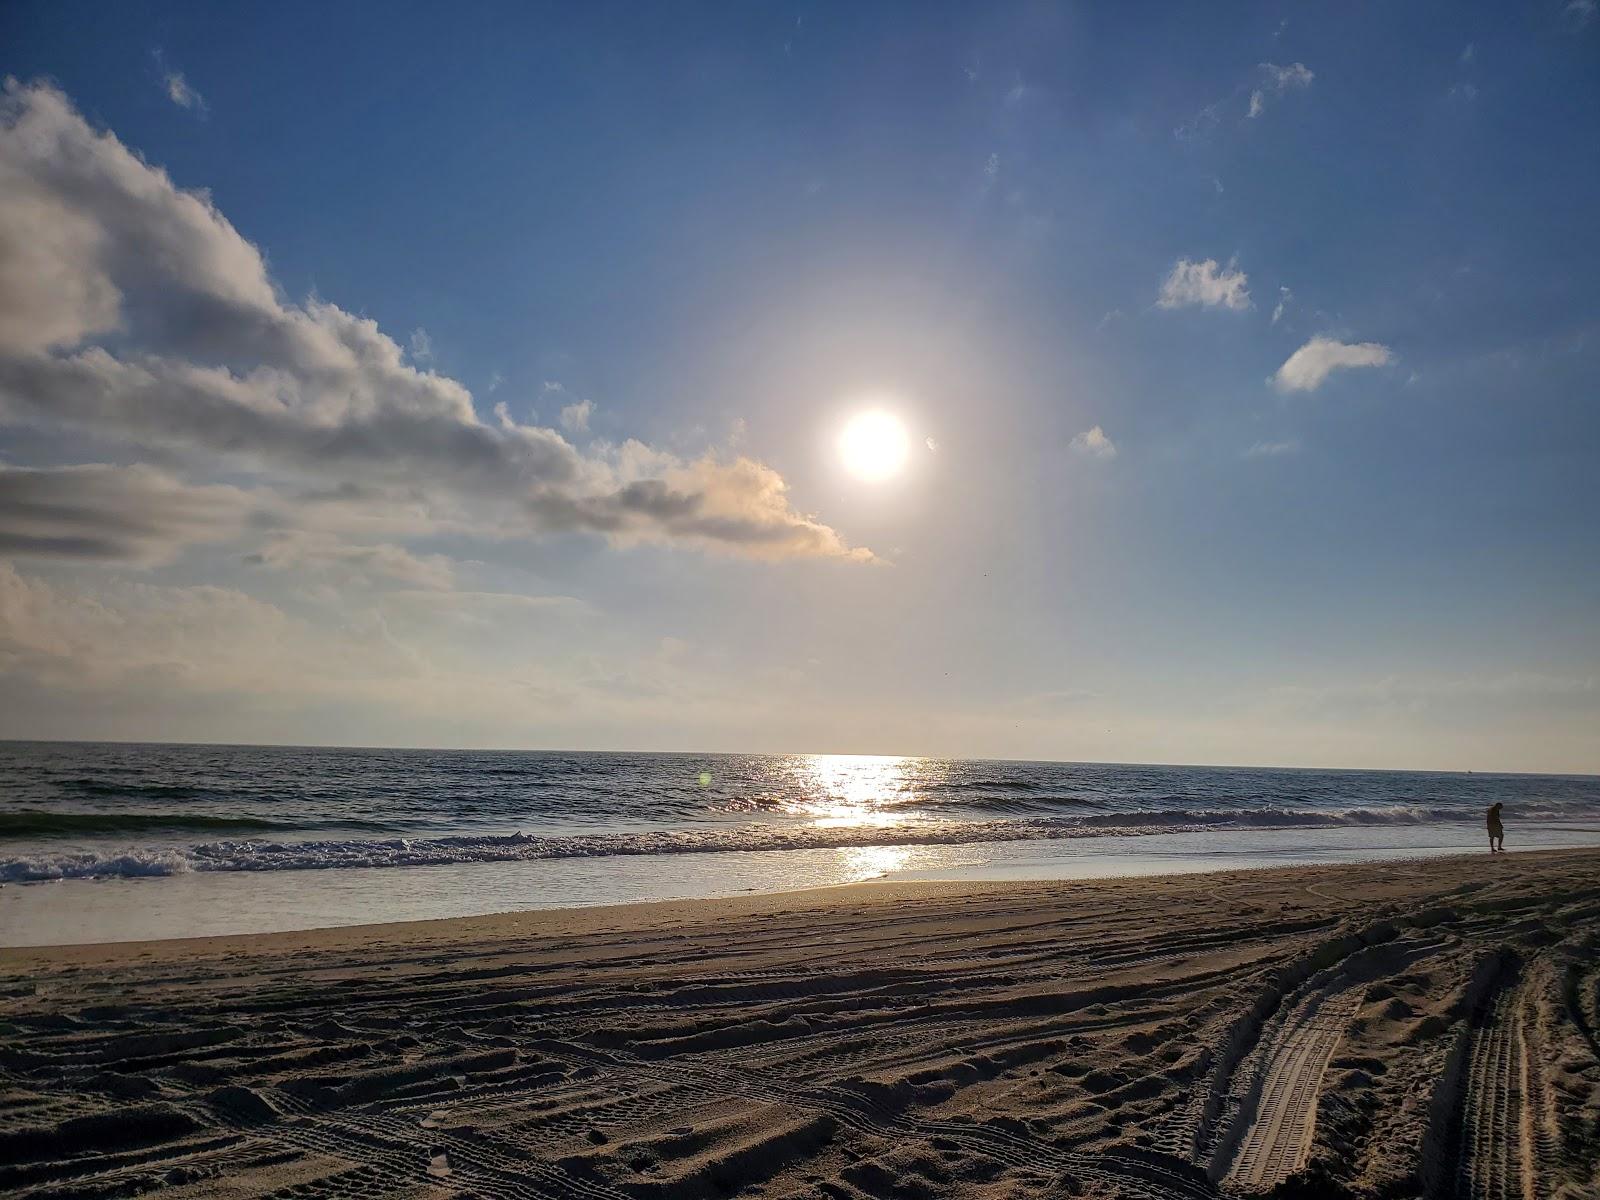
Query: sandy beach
point(1411, 1029)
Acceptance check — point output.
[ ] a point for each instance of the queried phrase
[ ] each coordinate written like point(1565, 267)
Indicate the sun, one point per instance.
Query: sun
point(874, 446)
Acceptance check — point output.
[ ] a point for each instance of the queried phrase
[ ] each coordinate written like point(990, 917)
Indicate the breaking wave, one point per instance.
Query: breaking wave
point(263, 855)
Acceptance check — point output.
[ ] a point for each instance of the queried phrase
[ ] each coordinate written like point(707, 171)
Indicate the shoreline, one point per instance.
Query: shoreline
point(637, 915)
point(236, 903)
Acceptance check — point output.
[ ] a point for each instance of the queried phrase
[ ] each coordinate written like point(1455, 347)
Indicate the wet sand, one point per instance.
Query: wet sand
point(1395, 1029)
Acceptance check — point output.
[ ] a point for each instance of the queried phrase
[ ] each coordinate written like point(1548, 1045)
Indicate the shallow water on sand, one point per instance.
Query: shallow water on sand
point(208, 903)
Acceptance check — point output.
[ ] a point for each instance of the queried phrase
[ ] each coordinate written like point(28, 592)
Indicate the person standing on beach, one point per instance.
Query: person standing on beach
point(1497, 831)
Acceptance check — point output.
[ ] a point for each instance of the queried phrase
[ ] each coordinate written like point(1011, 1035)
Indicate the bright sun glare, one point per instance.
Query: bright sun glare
point(874, 446)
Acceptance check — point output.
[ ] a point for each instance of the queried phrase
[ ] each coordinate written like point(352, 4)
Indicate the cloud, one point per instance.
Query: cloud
point(1453, 697)
point(421, 346)
point(317, 551)
point(1094, 443)
point(1275, 82)
point(1579, 13)
point(492, 613)
point(150, 642)
point(1284, 297)
point(1469, 55)
point(1272, 449)
point(133, 311)
point(933, 446)
point(1206, 284)
point(575, 417)
point(1271, 82)
point(1307, 367)
point(104, 513)
point(115, 658)
point(1201, 124)
point(1056, 700)
point(181, 94)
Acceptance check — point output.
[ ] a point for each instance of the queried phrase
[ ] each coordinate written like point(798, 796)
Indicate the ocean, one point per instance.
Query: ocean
point(116, 841)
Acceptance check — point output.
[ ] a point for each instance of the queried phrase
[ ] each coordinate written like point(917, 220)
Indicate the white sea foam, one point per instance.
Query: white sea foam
point(520, 847)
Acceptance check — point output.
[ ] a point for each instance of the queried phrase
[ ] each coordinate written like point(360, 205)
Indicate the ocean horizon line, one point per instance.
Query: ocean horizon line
point(861, 754)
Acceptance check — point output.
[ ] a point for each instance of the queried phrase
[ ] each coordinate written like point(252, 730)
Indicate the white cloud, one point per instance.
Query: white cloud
point(1307, 367)
point(421, 346)
point(1580, 12)
point(1469, 55)
point(181, 94)
point(575, 417)
point(1094, 443)
point(1206, 284)
point(933, 446)
point(1272, 449)
point(1276, 81)
point(212, 368)
point(1284, 296)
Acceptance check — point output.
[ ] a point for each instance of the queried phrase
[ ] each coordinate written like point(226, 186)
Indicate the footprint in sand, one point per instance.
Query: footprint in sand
point(439, 1166)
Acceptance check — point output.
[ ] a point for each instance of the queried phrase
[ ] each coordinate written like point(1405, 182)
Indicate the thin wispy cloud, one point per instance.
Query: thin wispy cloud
point(1205, 284)
point(1275, 82)
point(1093, 443)
point(314, 552)
point(1201, 124)
point(1308, 367)
point(1272, 449)
point(1271, 83)
point(181, 93)
point(575, 417)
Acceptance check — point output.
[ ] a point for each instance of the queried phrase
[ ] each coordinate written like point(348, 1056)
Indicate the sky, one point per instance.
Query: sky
point(474, 375)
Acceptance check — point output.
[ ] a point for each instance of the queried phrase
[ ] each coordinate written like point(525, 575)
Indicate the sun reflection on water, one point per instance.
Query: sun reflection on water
point(854, 791)
point(873, 862)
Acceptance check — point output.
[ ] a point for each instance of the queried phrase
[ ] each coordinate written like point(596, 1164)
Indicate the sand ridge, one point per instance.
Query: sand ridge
point(1414, 1029)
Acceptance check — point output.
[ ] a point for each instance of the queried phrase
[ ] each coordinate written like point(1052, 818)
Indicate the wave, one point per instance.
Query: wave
point(157, 791)
point(255, 855)
point(36, 823)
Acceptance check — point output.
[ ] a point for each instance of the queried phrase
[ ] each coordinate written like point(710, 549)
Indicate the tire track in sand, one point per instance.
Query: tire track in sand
point(1282, 1114)
point(1501, 1145)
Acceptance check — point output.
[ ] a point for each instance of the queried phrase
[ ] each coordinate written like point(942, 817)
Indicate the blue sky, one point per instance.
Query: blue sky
point(1108, 259)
